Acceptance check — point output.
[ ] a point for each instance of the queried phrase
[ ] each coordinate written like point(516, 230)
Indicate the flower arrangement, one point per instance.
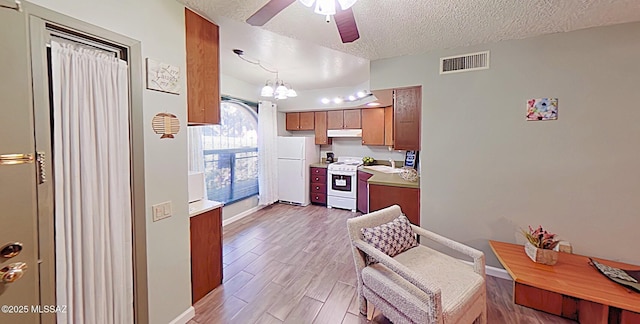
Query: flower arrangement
point(540, 238)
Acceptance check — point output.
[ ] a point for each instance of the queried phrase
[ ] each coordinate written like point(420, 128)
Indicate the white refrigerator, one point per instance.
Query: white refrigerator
point(295, 154)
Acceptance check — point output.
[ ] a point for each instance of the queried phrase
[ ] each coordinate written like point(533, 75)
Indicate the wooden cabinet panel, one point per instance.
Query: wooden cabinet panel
point(407, 198)
point(318, 185)
point(388, 126)
point(352, 119)
point(406, 118)
point(318, 179)
point(320, 121)
point(293, 121)
point(363, 192)
point(335, 119)
point(203, 70)
point(373, 123)
point(306, 121)
point(206, 253)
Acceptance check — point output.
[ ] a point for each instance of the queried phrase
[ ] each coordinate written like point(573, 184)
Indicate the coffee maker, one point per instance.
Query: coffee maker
point(330, 158)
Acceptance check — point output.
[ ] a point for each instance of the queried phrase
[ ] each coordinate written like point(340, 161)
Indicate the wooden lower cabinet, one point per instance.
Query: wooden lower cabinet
point(363, 192)
point(407, 198)
point(206, 253)
point(318, 187)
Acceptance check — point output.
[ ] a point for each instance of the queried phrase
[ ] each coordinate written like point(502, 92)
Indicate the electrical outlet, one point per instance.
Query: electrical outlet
point(161, 211)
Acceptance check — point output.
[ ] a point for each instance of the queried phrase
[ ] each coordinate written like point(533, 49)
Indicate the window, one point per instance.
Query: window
point(231, 152)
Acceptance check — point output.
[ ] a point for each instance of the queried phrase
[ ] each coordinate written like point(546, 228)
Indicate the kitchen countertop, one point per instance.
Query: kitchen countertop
point(389, 179)
point(201, 206)
point(318, 165)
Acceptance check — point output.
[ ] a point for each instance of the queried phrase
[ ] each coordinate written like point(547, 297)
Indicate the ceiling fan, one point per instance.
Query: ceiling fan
point(339, 9)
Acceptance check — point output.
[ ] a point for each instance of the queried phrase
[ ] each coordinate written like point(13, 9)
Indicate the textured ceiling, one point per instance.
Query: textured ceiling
point(391, 28)
point(309, 54)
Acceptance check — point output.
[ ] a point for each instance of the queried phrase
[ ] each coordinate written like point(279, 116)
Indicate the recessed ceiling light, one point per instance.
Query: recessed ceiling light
point(337, 100)
point(352, 98)
point(325, 100)
point(373, 104)
point(361, 94)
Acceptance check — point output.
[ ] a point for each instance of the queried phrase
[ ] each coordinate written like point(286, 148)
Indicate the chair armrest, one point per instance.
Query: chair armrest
point(395, 266)
point(477, 255)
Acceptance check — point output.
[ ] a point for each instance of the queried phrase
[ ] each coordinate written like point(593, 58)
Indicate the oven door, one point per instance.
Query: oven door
point(342, 184)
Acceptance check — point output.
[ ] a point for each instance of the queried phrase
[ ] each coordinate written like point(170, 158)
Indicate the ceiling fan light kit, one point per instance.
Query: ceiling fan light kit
point(343, 16)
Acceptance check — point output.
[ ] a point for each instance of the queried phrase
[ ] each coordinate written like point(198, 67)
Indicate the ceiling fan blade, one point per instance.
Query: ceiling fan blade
point(268, 11)
point(347, 25)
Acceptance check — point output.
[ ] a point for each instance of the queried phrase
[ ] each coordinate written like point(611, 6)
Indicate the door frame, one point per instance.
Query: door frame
point(38, 18)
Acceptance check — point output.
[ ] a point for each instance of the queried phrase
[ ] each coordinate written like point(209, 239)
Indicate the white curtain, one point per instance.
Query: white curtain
point(267, 153)
point(195, 149)
point(92, 195)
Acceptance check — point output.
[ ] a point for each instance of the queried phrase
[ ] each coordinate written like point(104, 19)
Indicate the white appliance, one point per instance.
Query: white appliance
point(295, 154)
point(196, 186)
point(342, 182)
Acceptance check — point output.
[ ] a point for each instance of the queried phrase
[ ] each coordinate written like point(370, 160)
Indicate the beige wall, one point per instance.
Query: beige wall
point(486, 172)
point(159, 25)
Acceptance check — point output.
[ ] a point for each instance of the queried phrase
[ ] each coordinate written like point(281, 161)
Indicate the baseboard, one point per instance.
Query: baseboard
point(240, 216)
point(493, 271)
point(185, 316)
point(497, 272)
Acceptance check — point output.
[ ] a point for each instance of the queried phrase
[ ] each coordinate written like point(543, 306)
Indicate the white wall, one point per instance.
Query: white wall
point(486, 172)
point(159, 25)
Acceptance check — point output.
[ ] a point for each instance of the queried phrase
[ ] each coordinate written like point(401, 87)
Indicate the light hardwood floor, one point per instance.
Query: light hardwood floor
point(287, 264)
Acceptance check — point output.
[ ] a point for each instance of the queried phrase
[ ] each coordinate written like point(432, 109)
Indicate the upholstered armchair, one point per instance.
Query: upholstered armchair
point(419, 285)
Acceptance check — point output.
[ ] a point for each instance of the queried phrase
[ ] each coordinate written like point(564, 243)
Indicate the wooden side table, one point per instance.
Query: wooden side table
point(571, 288)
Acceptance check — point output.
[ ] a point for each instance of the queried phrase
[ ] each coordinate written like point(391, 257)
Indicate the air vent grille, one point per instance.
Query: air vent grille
point(464, 63)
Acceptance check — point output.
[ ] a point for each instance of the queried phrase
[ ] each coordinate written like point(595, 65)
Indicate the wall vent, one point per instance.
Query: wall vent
point(464, 63)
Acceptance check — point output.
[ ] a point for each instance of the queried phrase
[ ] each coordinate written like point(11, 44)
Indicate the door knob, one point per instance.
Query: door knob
point(10, 250)
point(12, 272)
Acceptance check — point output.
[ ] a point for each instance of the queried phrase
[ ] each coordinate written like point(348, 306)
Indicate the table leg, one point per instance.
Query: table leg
point(592, 313)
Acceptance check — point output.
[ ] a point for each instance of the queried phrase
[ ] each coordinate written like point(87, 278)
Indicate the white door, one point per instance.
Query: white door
point(19, 270)
point(291, 147)
point(291, 181)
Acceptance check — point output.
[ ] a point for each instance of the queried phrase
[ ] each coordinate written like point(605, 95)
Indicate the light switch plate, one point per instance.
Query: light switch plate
point(161, 211)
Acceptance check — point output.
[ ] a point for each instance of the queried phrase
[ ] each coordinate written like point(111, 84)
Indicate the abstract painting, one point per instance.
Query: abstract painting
point(542, 109)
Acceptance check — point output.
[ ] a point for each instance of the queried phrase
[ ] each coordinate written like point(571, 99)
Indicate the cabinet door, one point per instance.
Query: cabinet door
point(306, 120)
point(407, 106)
point(363, 192)
point(206, 253)
point(352, 119)
point(335, 119)
point(320, 121)
point(203, 70)
point(388, 126)
point(293, 121)
point(407, 198)
point(373, 126)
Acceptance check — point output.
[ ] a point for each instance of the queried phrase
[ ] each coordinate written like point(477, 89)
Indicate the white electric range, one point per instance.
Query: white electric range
point(342, 181)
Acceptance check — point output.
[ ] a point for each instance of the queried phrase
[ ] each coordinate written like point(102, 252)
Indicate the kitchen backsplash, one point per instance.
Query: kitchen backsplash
point(354, 147)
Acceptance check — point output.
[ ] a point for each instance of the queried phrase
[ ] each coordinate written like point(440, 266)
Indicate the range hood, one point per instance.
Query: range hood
point(344, 133)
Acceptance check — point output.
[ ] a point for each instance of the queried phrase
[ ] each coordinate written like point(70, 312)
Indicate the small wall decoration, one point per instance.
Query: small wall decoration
point(163, 77)
point(542, 109)
point(165, 124)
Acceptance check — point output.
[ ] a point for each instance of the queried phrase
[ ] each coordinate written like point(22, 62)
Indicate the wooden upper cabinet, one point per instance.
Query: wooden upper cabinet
point(388, 126)
point(306, 121)
point(203, 70)
point(373, 123)
point(352, 119)
point(299, 121)
point(406, 118)
point(335, 119)
point(320, 127)
point(293, 121)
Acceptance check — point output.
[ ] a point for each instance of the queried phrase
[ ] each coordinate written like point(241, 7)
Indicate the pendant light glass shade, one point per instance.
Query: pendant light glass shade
point(267, 90)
